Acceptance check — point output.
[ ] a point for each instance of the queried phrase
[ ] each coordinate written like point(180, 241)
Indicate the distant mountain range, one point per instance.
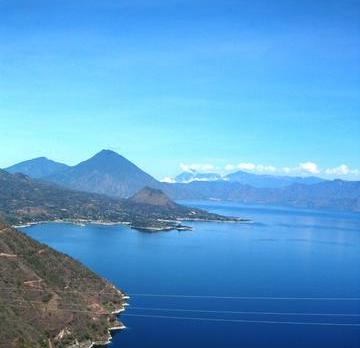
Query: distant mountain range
point(245, 178)
point(186, 177)
point(24, 200)
point(107, 172)
point(332, 195)
point(37, 168)
point(270, 181)
point(110, 173)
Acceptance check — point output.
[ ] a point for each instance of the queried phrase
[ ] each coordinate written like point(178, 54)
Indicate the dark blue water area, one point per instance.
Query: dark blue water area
point(243, 277)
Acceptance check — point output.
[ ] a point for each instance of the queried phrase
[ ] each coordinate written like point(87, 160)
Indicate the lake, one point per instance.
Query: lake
point(289, 279)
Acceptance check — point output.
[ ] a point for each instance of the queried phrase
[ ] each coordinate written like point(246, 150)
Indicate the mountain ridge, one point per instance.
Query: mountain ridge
point(270, 181)
point(112, 174)
point(330, 195)
point(106, 172)
point(38, 167)
point(246, 178)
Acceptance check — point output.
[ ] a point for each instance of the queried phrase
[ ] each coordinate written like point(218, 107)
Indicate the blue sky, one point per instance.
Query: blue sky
point(267, 86)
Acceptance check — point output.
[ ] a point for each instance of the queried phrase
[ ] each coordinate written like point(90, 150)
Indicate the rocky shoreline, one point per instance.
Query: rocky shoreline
point(117, 326)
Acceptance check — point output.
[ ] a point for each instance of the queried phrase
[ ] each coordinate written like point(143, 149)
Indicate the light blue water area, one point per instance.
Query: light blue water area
point(282, 254)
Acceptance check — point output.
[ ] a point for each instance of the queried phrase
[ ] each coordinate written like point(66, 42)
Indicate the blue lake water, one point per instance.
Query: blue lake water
point(283, 254)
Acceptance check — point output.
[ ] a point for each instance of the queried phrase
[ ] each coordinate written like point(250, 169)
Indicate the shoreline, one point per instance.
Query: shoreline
point(79, 222)
point(110, 336)
point(114, 321)
point(175, 224)
point(112, 329)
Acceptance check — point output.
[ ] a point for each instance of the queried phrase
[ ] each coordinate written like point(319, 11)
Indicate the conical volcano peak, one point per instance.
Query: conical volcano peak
point(152, 196)
point(106, 172)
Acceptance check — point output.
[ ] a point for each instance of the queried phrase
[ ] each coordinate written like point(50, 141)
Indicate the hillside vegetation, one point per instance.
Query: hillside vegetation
point(48, 299)
point(25, 200)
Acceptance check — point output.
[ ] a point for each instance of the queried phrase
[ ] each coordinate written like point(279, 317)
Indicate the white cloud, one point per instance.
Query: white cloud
point(168, 180)
point(203, 167)
point(286, 170)
point(309, 167)
point(246, 166)
point(266, 169)
point(343, 169)
point(230, 167)
point(251, 167)
point(302, 169)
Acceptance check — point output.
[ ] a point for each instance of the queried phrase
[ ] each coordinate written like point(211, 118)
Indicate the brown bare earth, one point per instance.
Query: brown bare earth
point(48, 299)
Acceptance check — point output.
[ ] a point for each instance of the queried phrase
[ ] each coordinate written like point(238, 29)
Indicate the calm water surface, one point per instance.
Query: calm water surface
point(284, 253)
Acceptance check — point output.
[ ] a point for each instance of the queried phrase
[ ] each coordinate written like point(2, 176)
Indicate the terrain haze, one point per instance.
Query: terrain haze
point(109, 173)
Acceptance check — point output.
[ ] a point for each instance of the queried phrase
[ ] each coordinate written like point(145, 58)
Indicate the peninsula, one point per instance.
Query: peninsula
point(28, 201)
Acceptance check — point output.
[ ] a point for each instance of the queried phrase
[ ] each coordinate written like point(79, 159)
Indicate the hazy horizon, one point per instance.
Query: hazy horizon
point(270, 87)
point(303, 170)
